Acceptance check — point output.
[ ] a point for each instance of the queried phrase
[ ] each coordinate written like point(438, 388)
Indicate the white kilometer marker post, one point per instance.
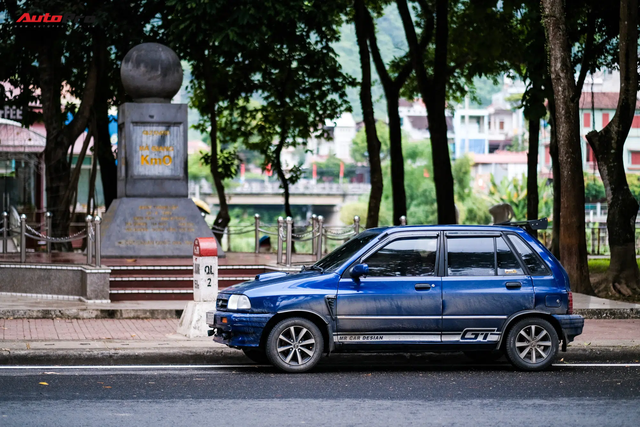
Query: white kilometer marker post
point(193, 322)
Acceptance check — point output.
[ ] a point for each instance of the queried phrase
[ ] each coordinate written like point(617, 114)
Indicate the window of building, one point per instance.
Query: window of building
point(501, 125)
point(406, 257)
point(586, 120)
point(636, 122)
point(590, 154)
point(605, 119)
point(473, 256)
point(635, 158)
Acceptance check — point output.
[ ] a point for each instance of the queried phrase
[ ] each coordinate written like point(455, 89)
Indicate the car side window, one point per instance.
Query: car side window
point(532, 261)
point(508, 264)
point(471, 256)
point(405, 257)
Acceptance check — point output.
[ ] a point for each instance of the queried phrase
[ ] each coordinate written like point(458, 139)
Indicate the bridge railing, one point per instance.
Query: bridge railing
point(287, 234)
point(23, 230)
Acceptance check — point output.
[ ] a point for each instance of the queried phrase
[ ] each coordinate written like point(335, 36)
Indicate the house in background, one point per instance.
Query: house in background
point(500, 164)
point(415, 123)
point(598, 104)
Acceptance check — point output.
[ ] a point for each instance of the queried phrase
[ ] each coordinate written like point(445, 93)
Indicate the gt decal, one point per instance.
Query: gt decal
point(480, 335)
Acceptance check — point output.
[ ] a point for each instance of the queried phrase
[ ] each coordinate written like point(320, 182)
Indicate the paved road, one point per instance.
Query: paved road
point(335, 395)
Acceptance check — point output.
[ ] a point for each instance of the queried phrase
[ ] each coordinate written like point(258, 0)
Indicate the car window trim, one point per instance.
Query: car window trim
point(533, 251)
point(445, 272)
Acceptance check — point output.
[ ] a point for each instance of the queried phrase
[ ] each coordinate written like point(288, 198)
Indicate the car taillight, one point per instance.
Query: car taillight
point(570, 309)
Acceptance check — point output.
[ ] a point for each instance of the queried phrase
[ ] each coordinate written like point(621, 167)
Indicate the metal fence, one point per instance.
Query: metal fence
point(23, 231)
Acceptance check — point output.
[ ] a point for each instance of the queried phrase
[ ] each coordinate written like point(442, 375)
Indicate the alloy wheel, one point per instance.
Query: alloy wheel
point(296, 345)
point(533, 344)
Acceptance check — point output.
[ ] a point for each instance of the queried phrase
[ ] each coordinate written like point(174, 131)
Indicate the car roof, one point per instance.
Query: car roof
point(452, 227)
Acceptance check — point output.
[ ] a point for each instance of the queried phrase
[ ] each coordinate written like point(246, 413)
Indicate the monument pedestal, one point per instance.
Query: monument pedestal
point(193, 322)
point(152, 227)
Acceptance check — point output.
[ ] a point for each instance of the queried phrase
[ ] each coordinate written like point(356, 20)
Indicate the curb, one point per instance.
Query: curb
point(124, 357)
point(229, 356)
point(608, 313)
point(90, 314)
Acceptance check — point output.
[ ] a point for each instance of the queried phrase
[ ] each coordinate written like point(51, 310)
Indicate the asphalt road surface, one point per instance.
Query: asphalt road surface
point(350, 393)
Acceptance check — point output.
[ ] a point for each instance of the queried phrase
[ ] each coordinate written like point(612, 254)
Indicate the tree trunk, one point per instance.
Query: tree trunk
point(434, 96)
point(397, 159)
point(557, 188)
point(532, 168)
point(573, 246)
point(373, 143)
point(222, 219)
point(623, 276)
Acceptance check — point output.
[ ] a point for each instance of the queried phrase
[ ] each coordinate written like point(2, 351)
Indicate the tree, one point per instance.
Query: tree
point(392, 85)
point(573, 248)
point(623, 276)
point(373, 143)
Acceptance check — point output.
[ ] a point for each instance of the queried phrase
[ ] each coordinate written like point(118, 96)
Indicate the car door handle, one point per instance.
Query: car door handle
point(424, 286)
point(513, 285)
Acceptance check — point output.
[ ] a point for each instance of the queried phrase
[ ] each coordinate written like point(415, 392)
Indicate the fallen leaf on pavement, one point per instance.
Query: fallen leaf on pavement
point(133, 335)
point(106, 386)
point(43, 383)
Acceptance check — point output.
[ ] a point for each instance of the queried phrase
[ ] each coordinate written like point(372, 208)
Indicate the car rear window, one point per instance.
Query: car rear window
point(531, 259)
point(508, 263)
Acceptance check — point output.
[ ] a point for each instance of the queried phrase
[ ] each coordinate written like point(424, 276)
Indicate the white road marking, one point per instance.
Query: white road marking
point(597, 365)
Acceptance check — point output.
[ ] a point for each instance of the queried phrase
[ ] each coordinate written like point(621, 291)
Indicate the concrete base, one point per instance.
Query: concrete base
point(193, 322)
point(152, 227)
point(91, 283)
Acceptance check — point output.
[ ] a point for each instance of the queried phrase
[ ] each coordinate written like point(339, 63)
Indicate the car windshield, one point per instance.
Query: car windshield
point(335, 259)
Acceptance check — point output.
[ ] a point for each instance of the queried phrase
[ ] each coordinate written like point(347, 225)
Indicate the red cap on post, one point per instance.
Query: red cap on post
point(205, 246)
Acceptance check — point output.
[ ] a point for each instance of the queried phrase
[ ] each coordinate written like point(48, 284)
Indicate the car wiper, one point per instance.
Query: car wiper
point(314, 267)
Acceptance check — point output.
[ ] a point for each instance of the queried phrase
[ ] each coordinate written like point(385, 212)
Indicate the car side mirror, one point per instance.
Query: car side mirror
point(359, 270)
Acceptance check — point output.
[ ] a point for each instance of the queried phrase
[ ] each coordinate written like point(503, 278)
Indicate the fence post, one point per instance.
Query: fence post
point(98, 222)
point(320, 232)
point(280, 226)
point(356, 224)
point(23, 238)
point(314, 222)
point(5, 227)
point(598, 225)
point(289, 239)
point(47, 222)
point(257, 231)
point(89, 221)
point(403, 220)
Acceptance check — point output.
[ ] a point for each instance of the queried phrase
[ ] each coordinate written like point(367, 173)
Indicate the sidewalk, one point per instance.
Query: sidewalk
point(154, 341)
point(18, 307)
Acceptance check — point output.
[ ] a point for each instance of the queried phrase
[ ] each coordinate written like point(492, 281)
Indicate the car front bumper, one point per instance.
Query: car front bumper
point(571, 324)
point(237, 329)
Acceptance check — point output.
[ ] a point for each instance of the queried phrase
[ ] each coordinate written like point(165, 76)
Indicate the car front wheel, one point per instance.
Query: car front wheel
point(532, 344)
point(295, 345)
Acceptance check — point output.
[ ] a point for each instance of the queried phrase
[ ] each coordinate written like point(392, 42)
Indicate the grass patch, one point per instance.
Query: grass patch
point(597, 266)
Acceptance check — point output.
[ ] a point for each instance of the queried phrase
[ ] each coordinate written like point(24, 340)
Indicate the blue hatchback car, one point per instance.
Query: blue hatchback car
point(483, 290)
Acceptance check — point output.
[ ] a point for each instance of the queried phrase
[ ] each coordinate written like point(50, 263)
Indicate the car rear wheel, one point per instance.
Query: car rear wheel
point(532, 344)
point(295, 345)
point(256, 355)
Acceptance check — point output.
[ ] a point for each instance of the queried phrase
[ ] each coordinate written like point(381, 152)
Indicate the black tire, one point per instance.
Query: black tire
point(532, 344)
point(295, 345)
point(256, 355)
point(486, 356)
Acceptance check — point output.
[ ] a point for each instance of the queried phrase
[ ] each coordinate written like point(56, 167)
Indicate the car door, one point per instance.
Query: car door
point(484, 284)
point(399, 300)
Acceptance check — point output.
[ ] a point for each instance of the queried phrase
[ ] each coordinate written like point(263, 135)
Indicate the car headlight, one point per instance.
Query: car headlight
point(239, 302)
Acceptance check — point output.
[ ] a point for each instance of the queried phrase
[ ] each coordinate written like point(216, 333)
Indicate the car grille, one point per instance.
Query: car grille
point(221, 302)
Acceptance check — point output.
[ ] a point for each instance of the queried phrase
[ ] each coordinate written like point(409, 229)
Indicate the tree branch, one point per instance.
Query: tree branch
point(79, 122)
point(586, 57)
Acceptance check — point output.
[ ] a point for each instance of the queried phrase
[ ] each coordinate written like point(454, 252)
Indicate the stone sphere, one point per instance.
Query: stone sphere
point(151, 72)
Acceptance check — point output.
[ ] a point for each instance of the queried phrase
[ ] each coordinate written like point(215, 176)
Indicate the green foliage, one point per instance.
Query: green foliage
point(461, 170)
point(228, 162)
point(197, 167)
point(594, 189)
point(634, 185)
point(513, 192)
point(475, 210)
point(359, 146)
point(329, 170)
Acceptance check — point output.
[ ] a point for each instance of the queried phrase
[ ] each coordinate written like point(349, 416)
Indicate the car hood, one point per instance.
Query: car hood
point(265, 286)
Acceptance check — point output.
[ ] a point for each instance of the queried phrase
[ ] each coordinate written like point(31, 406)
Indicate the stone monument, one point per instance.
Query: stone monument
point(152, 216)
